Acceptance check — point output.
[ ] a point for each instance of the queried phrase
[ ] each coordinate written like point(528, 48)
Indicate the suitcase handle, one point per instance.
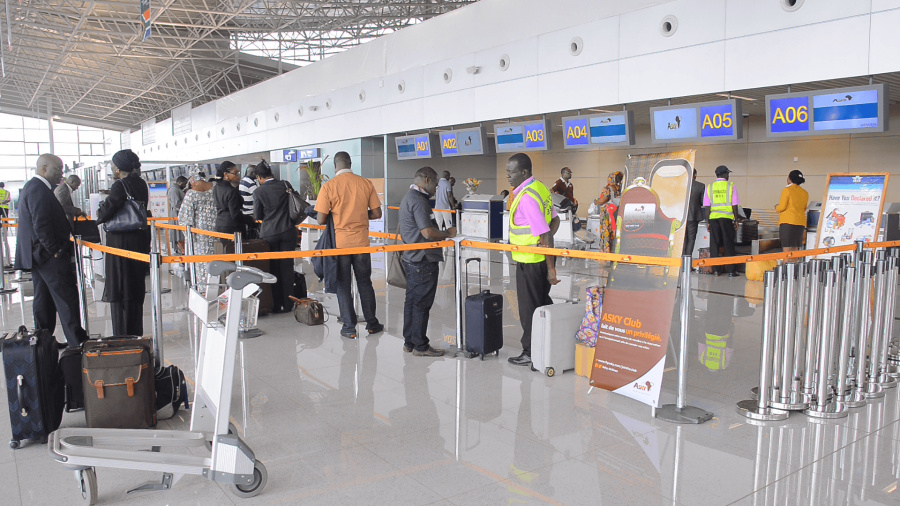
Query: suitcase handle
point(476, 259)
point(20, 395)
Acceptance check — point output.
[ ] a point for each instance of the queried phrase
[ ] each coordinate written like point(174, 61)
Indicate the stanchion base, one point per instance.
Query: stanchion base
point(750, 409)
point(873, 391)
point(854, 399)
point(831, 411)
point(687, 414)
point(788, 406)
point(886, 381)
point(754, 393)
point(8, 291)
point(250, 333)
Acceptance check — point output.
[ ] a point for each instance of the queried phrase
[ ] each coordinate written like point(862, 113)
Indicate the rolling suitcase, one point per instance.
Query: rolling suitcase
point(266, 302)
point(73, 390)
point(34, 385)
point(553, 330)
point(484, 319)
point(119, 383)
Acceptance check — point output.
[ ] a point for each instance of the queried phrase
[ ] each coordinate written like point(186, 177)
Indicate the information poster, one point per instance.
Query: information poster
point(159, 204)
point(639, 301)
point(851, 209)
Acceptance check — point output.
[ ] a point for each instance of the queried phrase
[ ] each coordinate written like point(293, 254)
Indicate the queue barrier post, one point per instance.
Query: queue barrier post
point(788, 394)
point(238, 247)
point(189, 250)
point(79, 283)
point(850, 294)
point(862, 331)
point(873, 388)
point(812, 331)
point(890, 290)
point(827, 406)
point(799, 335)
point(680, 412)
point(779, 337)
point(460, 296)
point(156, 302)
point(3, 262)
point(759, 409)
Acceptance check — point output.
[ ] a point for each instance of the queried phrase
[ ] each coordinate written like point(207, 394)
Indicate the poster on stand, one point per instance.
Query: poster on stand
point(159, 204)
point(851, 209)
point(639, 300)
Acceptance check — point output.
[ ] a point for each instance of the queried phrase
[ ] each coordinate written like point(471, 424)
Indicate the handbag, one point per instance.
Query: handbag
point(590, 324)
point(296, 205)
point(396, 271)
point(131, 217)
point(309, 311)
point(87, 229)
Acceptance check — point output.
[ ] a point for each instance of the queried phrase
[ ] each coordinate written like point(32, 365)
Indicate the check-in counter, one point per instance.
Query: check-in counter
point(482, 217)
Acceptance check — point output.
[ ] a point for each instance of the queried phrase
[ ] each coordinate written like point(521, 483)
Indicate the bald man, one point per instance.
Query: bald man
point(43, 247)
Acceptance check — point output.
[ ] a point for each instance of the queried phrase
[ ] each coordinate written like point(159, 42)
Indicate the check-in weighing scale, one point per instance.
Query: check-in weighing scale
point(481, 218)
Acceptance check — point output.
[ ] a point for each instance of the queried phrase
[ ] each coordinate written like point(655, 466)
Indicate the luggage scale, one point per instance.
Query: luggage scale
point(229, 460)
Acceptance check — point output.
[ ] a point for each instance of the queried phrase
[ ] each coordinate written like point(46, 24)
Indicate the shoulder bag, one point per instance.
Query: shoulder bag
point(296, 205)
point(396, 272)
point(308, 311)
point(131, 217)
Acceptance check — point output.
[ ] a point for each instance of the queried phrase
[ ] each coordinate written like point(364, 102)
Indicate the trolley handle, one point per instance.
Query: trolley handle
point(475, 259)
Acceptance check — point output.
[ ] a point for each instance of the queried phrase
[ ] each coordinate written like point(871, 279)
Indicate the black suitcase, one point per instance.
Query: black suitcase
point(119, 383)
point(34, 385)
point(266, 303)
point(70, 365)
point(484, 318)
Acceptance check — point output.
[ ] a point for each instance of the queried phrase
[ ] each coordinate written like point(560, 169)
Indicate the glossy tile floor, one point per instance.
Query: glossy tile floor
point(360, 422)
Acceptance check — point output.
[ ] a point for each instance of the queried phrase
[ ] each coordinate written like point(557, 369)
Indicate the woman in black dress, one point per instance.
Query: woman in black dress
point(125, 285)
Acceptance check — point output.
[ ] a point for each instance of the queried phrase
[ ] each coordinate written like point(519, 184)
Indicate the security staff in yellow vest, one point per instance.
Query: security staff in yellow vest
point(4, 201)
point(532, 222)
point(720, 205)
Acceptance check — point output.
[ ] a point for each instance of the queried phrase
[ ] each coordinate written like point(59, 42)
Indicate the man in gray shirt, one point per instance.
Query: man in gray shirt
point(417, 225)
point(444, 200)
point(64, 192)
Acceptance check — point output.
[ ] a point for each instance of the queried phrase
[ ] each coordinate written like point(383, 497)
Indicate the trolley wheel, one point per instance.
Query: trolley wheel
point(88, 483)
point(260, 476)
point(14, 444)
point(550, 372)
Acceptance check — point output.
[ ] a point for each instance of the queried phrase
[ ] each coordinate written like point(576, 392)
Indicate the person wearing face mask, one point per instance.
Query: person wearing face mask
point(229, 215)
point(43, 247)
point(125, 285)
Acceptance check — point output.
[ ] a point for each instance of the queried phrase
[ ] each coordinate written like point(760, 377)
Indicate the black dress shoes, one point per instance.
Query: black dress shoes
point(522, 360)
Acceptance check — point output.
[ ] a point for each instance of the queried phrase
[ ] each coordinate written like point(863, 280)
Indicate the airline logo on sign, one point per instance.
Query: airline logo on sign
point(845, 110)
point(675, 123)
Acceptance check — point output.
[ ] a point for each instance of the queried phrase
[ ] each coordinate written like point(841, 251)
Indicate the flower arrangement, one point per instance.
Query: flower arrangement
point(471, 184)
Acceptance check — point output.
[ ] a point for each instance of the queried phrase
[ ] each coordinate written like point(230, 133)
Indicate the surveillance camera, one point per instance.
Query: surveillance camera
point(473, 69)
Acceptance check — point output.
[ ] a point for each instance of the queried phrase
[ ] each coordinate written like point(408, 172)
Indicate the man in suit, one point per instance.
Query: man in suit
point(64, 193)
point(695, 215)
point(43, 247)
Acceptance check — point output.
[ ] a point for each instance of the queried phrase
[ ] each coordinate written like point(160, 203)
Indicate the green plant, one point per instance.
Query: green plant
point(314, 169)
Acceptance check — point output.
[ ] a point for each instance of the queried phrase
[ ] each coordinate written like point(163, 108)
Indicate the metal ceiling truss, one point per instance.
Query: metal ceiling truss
point(84, 61)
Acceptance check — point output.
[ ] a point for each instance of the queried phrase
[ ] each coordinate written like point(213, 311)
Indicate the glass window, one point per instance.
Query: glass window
point(10, 121)
point(12, 161)
point(63, 136)
point(10, 134)
point(32, 148)
point(12, 148)
point(90, 135)
point(37, 135)
point(40, 124)
point(66, 149)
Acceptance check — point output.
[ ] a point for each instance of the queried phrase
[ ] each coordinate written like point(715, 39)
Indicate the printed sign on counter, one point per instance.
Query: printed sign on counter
point(851, 209)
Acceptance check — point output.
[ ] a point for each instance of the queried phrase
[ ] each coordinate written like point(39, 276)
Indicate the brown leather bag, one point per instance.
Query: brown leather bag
point(119, 383)
point(309, 311)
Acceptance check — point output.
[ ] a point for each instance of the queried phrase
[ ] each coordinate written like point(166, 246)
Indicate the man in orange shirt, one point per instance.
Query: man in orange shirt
point(352, 202)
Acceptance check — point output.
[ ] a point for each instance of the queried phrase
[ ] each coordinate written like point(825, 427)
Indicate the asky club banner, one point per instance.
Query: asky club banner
point(639, 300)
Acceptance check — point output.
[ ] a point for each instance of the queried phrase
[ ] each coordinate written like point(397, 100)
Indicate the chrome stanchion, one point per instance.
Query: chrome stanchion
point(812, 332)
point(156, 303)
point(890, 291)
point(246, 331)
point(822, 407)
point(3, 262)
point(789, 398)
point(850, 294)
point(759, 409)
point(460, 296)
point(873, 388)
point(802, 299)
point(680, 412)
point(189, 251)
point(79, 283)
point(862, 332)
point(779, 336)
point(238, 247)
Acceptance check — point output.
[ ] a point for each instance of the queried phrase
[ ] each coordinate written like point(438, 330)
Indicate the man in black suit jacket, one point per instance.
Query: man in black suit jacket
point(43, 247)
point(695, 215)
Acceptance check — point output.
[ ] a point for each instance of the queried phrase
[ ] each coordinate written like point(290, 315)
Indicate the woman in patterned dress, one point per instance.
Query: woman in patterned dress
point(609, 195)
point(198, 210)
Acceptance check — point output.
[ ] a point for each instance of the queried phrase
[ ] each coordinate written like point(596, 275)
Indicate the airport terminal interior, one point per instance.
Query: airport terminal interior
point(776, 385)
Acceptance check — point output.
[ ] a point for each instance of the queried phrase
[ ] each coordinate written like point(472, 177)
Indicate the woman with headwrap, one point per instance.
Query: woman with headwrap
point(608, 201)
point(198, 210)
point(125, 278)
point(230, 217)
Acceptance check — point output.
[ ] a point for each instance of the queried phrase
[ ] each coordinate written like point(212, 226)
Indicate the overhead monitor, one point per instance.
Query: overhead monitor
point(598, 130)
point(462, 142)
point(526, 136)
point(411, 147)
point(860, 109)
point(308, 154)
point(701, 122)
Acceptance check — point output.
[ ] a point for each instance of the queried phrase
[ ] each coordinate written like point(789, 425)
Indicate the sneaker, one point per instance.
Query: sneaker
point(733, 275)
point(430, 352)
point(407, 348)
point(374, 329)
point(349, 335)
point(523, 359)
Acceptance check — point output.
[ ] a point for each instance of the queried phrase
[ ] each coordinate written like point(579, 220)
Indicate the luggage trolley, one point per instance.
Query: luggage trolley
point(229, 460)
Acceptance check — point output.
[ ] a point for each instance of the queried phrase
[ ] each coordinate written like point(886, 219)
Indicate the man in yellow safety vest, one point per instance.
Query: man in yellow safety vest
point(532, 222)
point(720, 204)
point(4, 201)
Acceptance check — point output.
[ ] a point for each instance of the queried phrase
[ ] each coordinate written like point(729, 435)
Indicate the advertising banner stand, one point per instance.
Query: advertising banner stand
point(640, 300)
point(851, 209)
